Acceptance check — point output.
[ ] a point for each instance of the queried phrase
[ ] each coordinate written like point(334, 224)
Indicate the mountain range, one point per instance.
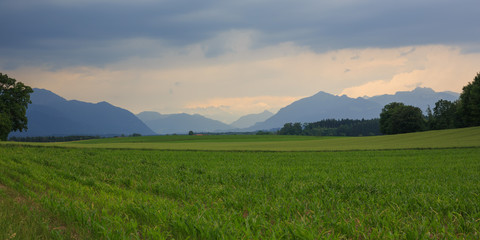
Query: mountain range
point(52, 115)
point(182, 123)
point(328, 106)
point(419, 97)
point(251, 119)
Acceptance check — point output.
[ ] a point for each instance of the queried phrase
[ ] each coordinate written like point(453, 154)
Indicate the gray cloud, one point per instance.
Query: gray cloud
point(408, 52)
point(61, 33)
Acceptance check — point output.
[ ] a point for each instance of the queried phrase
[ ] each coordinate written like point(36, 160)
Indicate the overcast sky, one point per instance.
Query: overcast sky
point(224, 59)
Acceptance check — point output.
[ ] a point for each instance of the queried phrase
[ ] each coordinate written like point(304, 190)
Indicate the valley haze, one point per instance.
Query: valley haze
point(52, 115)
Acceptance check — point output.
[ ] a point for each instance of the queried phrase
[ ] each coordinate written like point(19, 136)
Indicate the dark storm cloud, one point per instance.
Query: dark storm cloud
point(85, 33)
point(94, 32)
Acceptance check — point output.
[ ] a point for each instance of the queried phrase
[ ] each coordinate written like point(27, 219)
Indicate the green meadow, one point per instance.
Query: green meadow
point(452, 138)
point(409, 186)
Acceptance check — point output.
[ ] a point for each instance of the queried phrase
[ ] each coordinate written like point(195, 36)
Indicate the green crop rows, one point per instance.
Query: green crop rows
point(151, 194)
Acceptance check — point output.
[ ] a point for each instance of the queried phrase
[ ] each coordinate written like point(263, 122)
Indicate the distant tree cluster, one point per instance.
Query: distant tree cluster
point(264, 133)
point(343, 127)
point(52, 138)
point(400, 118)
point(465, 112)
point(291, 129)
point(333, 127)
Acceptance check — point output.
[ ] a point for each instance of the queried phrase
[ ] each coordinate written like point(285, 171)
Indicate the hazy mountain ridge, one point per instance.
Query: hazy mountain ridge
point(321, 106)
point(324, 106)
point(52, 115)
point(419, 97)
point(181, 123)
point(251, 119)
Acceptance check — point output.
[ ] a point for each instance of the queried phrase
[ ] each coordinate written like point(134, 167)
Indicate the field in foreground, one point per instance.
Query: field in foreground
point(149, 194)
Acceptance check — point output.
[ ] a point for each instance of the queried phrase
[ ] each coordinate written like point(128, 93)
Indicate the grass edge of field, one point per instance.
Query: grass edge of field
point(434, 139)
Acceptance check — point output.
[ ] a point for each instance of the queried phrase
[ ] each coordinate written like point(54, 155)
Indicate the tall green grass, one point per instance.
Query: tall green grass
point(23, 218)
point(144, 194)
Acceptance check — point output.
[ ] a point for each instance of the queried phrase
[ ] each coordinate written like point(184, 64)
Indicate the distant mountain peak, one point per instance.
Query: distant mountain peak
point(43, 96)
point(421, 97)
point(180, 123)
point(104, 103)
point(424, 90)
point(52, 115)
point(250, 119)
point(323, 105)
point(322, 94)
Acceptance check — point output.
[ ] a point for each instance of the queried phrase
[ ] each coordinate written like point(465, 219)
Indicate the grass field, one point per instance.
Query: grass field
point(452, 138)
point(426, 186)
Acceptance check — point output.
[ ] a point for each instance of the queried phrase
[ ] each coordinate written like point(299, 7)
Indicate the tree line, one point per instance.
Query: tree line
point(465, 112)
point(64, 138)
point(333, 127)
point(52, 138)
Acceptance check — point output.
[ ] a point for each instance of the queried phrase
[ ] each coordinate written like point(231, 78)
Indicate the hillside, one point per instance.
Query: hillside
point(52, 115)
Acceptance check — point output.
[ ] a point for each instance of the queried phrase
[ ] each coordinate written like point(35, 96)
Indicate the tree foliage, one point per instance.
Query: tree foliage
point(443, 116)
point(343, 127)
point(52, 138)
point(291, 129)
point(469, 104)
point(333, 127)
point(14, 100)
point(400, 118)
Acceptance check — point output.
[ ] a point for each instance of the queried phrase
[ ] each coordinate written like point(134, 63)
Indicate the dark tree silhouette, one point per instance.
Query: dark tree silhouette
point(14, 100)
point(469, 104)
point(400, 118)
point(444, 114)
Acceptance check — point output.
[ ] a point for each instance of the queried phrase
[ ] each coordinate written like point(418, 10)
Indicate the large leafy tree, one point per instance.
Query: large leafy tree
point(400, 118)
point(444, 115)
point(14, 100)
point(469, 105)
